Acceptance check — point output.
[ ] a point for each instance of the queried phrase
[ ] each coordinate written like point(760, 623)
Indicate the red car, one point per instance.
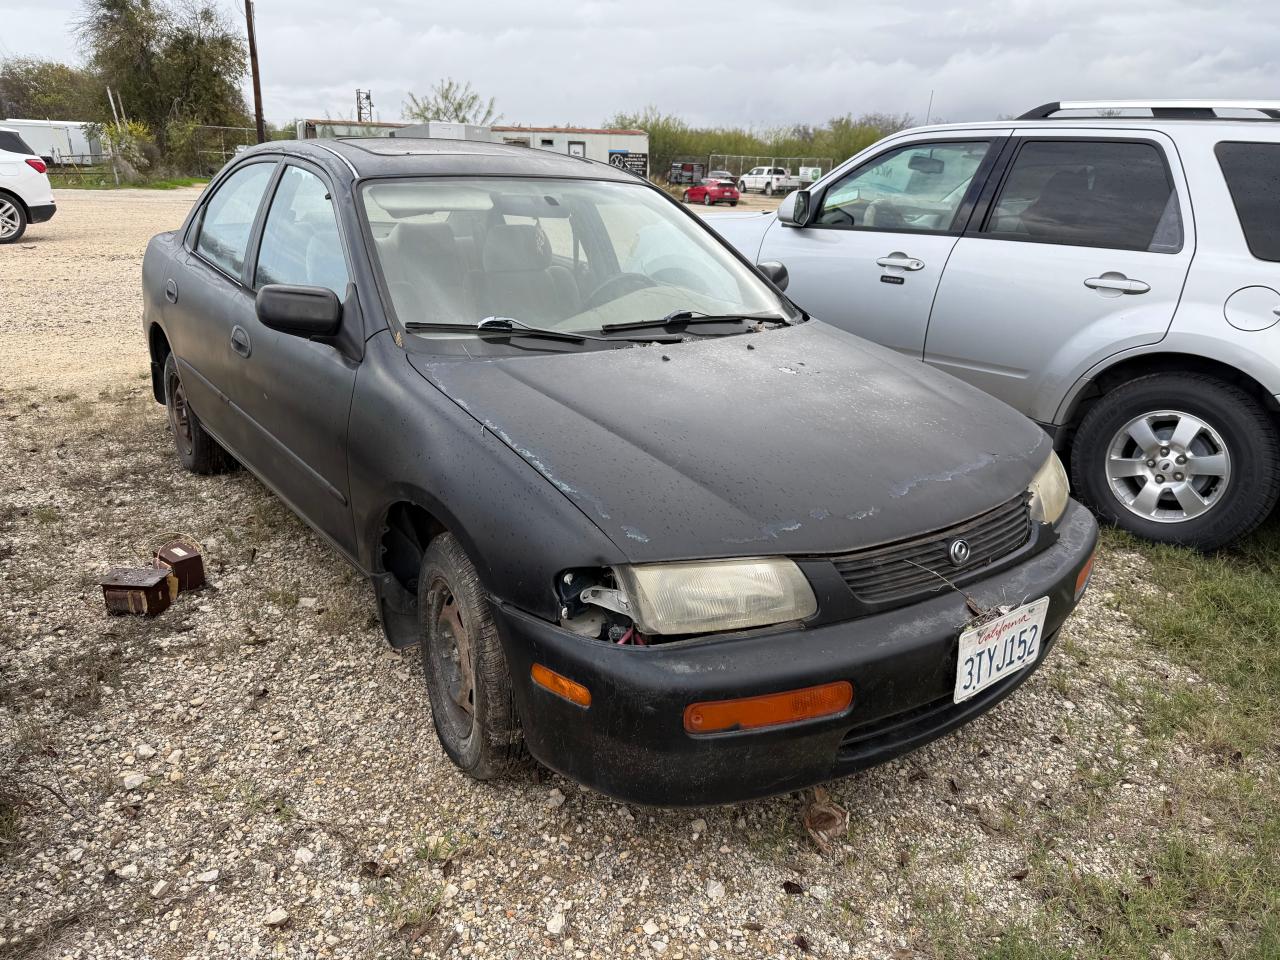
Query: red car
point(711, 192)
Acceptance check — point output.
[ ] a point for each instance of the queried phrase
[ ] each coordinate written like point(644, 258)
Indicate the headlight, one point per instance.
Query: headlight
point(1049, 489)
point(715, 595)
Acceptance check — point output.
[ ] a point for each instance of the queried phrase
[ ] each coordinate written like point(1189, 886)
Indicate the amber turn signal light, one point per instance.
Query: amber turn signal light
point(1082, 580)
point(770, 710)
point(560, 685)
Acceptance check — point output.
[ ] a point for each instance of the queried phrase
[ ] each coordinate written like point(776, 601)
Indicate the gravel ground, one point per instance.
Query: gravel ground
point(253, 773)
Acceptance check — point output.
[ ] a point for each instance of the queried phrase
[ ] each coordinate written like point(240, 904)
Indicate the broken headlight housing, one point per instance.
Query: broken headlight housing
point(712, 596)
point(1049, 489)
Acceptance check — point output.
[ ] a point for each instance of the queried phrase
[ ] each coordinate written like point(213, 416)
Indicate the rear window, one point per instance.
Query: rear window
point(1252, 172)
point(13, 143)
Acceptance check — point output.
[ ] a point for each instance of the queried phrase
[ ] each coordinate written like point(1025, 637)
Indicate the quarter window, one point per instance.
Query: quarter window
point(300, 242)
point(228, 217)
point(917, 187)
point(1089, 193)
point(1252, 172)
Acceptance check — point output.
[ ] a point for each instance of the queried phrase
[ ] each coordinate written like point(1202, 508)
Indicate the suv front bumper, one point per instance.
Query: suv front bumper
point(631, 743)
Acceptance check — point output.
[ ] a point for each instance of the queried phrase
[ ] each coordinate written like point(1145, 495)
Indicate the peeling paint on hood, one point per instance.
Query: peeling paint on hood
point(813, 441)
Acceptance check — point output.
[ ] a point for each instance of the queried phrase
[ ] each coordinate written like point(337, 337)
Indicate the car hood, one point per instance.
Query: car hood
point(801, 440)
point(744, 230)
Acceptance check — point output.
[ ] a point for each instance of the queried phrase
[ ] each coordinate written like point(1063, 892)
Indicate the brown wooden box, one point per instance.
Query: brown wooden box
point(182, 556)
point(144, 590)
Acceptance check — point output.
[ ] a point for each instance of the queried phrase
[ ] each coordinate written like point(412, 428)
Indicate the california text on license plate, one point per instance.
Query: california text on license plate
point(997, 649)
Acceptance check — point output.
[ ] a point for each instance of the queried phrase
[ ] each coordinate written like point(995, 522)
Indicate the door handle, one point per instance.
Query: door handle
point(1117, 282)
point(240, 341)
point(171, 290)
point(900, 260)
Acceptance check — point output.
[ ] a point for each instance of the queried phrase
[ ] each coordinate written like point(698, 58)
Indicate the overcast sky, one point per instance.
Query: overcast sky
point(747, 62)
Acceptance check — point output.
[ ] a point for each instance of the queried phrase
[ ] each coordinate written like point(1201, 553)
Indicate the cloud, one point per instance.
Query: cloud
point(749, 62)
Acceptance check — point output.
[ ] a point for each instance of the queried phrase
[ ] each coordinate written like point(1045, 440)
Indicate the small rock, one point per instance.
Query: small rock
point(160, 889)
point(307, 603)
point(555, 798)
point(74, 854)
point(303, 855)
point(819, 892)
point(127, 872)
point(468, 884)
point(699, 826)
point(650, 928)
point(174, 757)
point(144, 751)
point(715, 890)
point(132, 781)
point(207, 877)
point(450, 891)
point(276, 918)
point(555, 924)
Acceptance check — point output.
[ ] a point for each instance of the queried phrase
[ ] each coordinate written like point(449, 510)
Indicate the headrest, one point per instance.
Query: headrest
point(516, 246)
point(424, 239)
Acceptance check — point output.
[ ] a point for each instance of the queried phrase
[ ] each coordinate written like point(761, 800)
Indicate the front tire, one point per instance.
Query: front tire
point(468, 683)
point(13, 220)
point(198, 452)
point(685, 198)
point(1179, 458)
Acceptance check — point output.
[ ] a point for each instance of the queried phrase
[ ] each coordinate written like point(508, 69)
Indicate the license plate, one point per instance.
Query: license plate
point(999, 648)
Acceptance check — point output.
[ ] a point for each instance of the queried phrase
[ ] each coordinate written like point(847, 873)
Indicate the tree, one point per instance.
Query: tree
point(34, 89)
point(451, 101)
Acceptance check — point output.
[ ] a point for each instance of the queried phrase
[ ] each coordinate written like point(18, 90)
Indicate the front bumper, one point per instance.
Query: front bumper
point(41, 212)
point(631, 742)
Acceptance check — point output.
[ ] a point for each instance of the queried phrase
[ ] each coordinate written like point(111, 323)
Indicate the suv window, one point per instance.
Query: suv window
point(300, 242)
point(915, 187)
point(1252, 172)
point(229, 214)
point(1089, 193)
point(11, 142)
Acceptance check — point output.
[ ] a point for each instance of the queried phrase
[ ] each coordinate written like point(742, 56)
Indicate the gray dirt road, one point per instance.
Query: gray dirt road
point(253, 774)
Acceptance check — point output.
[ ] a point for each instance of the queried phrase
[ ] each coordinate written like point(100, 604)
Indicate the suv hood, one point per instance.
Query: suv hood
point(801, 440)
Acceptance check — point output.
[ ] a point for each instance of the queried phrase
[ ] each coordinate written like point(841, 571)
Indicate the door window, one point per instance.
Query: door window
point(917, 187)
point(300, 242)
point(1252, 171)
point(229, 214)
point(1089, 193)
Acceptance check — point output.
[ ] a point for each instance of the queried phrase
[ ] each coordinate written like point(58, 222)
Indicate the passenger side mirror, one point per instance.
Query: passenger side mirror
point(794, 209)
point(775, 272)
point(302, 311)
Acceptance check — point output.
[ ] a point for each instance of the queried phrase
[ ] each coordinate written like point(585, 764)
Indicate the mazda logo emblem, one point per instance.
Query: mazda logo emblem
point(959, 552)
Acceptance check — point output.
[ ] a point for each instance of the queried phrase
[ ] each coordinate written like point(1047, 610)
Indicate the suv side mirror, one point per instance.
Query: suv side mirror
point(302, 311)
point(775, 272)
point(794, 209)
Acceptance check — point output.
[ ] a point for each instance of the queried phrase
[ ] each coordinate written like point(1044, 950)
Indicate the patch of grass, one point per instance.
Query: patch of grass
point(48, 514)
point(101, 178)
point(1220, 615)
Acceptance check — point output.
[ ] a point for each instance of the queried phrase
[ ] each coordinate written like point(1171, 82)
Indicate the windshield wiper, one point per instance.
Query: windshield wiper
point(504, 326)
point(686, 317)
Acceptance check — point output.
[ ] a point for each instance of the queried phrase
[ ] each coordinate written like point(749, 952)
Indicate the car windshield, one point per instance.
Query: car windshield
point(570, 255)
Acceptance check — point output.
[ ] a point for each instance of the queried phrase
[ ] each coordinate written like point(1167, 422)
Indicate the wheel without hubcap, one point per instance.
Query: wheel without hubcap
point(1168, 466)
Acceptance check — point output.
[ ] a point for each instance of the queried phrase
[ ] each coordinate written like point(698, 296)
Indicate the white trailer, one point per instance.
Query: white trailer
point(57, 141)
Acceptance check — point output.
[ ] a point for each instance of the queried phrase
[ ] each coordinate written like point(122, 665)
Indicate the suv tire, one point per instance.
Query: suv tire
point(13, 219)
point(1230, 495)
point(463, 661)
point(198, 451)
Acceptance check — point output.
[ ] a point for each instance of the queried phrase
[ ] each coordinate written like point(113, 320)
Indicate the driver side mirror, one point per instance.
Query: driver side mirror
point(795, 208)
point(302, 311)
point(775, 272)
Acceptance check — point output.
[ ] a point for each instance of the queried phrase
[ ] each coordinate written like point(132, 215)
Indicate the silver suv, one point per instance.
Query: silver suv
point(1111, 269)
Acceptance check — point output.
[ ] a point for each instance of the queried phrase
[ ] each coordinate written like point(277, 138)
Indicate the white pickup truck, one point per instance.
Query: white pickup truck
point(769, 180)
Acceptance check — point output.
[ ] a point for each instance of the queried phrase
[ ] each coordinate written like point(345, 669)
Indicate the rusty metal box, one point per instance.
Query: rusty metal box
point(144, 590)
point(182, 556)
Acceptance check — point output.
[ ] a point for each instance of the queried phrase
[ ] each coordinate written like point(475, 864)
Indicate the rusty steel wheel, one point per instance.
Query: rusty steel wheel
point(198, 451)
point(466, 672)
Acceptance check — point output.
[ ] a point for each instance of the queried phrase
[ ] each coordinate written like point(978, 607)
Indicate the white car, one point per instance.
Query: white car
point(25, 194)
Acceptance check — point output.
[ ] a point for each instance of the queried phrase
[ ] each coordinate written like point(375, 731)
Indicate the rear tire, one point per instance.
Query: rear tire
point(468, 684)
point(13, 220)
point(707, 201)
point(685, 198)
point(1207, 474)
point(198, 451)
point(768, 189)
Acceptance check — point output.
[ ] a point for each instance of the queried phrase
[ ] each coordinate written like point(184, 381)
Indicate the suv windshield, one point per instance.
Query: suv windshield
point(571, 255)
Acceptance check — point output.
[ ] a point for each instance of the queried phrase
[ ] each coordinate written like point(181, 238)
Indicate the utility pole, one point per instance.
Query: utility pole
point(253, 68)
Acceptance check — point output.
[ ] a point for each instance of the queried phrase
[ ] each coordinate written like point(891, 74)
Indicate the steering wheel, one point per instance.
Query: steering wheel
point(624, 282)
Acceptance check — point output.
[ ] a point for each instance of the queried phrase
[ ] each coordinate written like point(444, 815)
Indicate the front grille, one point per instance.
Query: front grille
point(900, 571)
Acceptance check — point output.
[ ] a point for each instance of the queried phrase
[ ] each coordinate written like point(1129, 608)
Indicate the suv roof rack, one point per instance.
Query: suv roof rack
point(1160, 109)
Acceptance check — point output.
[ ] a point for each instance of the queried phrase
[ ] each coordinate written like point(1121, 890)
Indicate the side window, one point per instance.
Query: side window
point(300, 243)
point(1252, 172)
point(917, 187)
point(1089, 193)
point(229, 214)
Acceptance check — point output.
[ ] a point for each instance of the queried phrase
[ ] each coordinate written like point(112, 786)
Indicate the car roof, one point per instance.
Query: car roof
point(422, 156)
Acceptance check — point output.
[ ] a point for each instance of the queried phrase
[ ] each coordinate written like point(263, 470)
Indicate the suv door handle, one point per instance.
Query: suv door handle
point(900, 260)
point(240, 341)
point(1117, 282)
point(171, 290)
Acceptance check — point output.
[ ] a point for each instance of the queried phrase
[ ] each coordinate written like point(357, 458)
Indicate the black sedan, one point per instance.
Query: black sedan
point(645, 519)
